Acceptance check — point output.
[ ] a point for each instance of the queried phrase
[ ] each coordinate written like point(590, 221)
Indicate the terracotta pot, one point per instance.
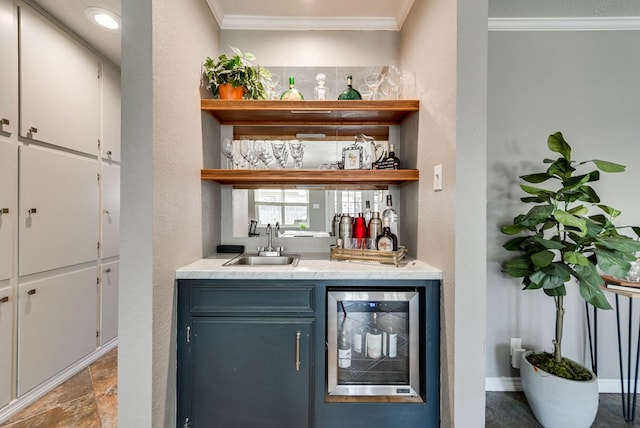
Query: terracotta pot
point(558, 402)
point(228, 92)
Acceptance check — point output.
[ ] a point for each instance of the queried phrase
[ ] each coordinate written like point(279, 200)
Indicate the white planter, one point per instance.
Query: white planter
point(557, 402)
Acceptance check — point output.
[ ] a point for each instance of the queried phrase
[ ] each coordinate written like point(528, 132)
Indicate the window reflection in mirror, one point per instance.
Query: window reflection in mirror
point(300, 212)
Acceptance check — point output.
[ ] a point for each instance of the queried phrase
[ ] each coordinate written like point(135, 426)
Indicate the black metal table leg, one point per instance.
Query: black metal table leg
point(628, 397)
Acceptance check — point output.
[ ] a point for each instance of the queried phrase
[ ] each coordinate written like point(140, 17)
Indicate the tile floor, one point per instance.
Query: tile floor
point(510, 410)
point(88, 400)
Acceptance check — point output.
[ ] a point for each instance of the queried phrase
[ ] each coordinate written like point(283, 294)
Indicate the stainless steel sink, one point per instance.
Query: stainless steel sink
point(256, 260)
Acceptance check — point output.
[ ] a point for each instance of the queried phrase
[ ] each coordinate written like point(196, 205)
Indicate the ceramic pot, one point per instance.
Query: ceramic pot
point(557, 402)
point(228, 92)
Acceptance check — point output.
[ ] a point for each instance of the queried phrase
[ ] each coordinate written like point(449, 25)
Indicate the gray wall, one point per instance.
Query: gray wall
point(584, 84)
point(564, 8)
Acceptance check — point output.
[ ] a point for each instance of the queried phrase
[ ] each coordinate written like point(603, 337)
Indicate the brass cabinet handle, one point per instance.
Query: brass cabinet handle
point(4, 210)
point(109, 152)
point(107, 270)
point(106, 211)
point(33, 130)
point(5, 121)
point(31, 292)
point(32, 210)
point(4, 299)
point(298, 351)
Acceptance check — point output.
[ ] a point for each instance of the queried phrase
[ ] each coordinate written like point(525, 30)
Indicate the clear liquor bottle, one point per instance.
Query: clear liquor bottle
point(292, 93)
point(350, 93)
point(391, 215)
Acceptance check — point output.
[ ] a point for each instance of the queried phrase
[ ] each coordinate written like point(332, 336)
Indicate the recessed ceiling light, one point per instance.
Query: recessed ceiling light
point(103, 18)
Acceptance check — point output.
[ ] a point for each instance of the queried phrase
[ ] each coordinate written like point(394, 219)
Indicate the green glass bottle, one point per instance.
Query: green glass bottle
point(292, 93)
point(349, 93)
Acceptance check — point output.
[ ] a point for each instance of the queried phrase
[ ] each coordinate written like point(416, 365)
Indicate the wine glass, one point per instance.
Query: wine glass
point(280, 153)
point(365, 91)
point(394, 81)
point(247, 152)
point(271, 86)
point(296, 148)
point(264, 152)
point(373, 81)
point(228, 150)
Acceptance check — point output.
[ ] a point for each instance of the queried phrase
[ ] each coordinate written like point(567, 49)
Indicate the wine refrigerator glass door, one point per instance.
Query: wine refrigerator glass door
point(373, 342)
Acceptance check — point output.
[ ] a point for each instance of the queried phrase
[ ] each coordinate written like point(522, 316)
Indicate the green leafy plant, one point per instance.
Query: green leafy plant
point(237, 70)
point(567, 234)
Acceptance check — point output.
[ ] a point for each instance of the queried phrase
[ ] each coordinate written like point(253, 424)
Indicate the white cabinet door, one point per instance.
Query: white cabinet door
point(60, 89)
point(111, 95)
point(63, 190)
point(109, 302)
point(9, 68)
point(8, 189)
point(57, 319)
point(110, 210)
point(6, 344)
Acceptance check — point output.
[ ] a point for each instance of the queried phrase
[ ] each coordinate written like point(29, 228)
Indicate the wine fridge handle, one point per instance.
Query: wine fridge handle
point(298, 351)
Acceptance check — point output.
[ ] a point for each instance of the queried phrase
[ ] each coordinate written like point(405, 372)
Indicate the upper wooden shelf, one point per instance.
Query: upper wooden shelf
point(249, 178)
point(336, 113)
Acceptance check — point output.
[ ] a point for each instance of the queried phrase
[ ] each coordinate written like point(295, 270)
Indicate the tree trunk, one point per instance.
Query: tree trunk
point(557, 343)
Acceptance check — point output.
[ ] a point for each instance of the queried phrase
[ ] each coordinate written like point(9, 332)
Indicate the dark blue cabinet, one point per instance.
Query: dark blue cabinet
point(253, 353)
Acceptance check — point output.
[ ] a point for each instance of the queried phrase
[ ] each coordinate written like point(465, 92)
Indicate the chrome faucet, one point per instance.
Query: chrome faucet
point(269, 250)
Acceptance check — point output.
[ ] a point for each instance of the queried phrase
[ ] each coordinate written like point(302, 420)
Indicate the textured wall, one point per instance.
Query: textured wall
point(584, 84)
point(161, 193)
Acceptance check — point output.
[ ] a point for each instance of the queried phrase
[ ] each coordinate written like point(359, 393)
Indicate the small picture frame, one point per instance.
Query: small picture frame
point(352, 157)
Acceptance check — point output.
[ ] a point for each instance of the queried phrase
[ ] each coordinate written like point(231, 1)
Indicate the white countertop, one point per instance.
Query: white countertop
point(314, 266)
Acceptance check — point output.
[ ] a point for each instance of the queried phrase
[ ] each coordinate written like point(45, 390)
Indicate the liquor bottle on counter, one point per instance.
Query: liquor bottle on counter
point(374, 339)
point(349, 93)
point(344, 350)
point(367, 211)
point(391, 215)
point(387, 241)
point(292, 93)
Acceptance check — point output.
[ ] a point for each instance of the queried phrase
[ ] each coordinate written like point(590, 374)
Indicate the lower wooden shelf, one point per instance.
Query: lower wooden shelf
point(250, 178)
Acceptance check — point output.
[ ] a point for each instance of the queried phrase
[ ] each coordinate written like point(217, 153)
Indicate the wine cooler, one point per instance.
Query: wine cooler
point(373, 342)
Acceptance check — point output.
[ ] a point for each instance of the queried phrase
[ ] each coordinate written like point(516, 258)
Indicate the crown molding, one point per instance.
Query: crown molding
point(611, 23)
point(216, 10)
point(305, 23)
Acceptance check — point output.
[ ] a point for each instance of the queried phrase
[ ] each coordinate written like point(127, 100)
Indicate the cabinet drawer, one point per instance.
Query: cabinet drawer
point(242, 297)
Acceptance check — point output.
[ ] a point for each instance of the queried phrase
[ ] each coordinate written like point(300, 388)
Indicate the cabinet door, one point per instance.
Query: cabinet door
point(243, 373)
point(6, 344)
point(59, 86)
point(110, 210)
point(8, 189)
point(63, 189)
point(9, 68)
point(111, 113)
point(57, 321)
point(109, 302)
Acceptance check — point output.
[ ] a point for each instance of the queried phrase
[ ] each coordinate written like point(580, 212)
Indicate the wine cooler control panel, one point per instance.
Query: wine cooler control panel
point(372, 338)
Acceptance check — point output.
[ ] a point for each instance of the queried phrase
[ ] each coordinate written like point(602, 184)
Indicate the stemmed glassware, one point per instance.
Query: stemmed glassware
point(280, 153)
point(296, 148)
point(248, 153)
point(373, 81)
point(229, 151)
point(392, 87)
point(264, 152)
point(271, 86)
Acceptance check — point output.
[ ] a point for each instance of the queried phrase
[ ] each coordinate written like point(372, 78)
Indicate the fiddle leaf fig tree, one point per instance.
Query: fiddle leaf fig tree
point(568, 233)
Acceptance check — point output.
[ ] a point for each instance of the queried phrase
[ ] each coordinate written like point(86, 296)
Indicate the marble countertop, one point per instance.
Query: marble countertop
point(314, 266)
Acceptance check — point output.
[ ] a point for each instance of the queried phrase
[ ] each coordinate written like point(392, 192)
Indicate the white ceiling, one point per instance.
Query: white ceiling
point(243, 14)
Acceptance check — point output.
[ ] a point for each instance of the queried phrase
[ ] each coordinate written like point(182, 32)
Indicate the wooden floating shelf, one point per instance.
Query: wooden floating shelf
point(249, 178)
point(342, 113)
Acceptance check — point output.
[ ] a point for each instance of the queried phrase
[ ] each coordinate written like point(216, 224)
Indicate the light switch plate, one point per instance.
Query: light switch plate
point(437, 177)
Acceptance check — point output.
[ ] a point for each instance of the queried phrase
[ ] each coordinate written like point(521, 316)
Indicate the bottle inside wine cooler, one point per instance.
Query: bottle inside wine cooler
point(344, 350)
point(374, 339)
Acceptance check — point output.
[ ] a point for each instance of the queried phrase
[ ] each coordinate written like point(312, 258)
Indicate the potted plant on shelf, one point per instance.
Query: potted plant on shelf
point(567, 235)
point(235, 76)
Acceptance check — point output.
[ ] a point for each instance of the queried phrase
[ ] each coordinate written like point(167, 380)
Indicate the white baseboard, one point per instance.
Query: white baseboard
point(504, 384)
point(29, 397)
